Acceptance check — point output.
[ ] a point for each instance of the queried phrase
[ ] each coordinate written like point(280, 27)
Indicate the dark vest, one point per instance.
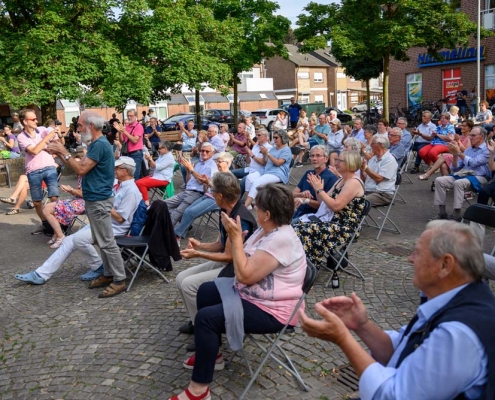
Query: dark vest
point(473, 306)
point(241, 211)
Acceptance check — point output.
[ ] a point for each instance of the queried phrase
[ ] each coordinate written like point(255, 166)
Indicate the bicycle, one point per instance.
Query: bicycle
point(394, 115)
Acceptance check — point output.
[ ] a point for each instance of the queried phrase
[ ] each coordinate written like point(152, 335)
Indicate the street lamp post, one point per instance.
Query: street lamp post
point(478, 57)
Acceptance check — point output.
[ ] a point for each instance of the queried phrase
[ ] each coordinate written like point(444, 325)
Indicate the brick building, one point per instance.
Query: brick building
point(425, 78)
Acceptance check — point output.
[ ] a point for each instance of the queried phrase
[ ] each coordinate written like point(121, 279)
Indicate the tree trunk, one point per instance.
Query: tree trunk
point(368, 98)
point(235, 112)
point(198, 110)
point(386, 74)
point(48, 111)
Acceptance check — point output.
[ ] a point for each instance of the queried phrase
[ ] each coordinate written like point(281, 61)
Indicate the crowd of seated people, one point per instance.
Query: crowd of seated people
point(264, 257)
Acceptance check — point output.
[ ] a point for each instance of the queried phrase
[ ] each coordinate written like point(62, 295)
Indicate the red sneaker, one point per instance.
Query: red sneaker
point(219, 363)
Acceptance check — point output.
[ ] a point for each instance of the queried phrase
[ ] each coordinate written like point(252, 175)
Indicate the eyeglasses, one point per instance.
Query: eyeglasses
point(316, 155)
point(210, 130)
point(260, 135)
point(276, 137)
point(473, 134)
point(205, 151)
point(31, 119)
point(393, 134)
point(219, 161)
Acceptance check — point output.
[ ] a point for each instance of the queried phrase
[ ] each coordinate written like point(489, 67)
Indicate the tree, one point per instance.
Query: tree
point(385, 29)
point(261, 34)
point(65, 49)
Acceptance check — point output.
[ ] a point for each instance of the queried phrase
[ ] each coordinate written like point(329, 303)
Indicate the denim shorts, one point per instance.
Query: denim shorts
point(49, 176)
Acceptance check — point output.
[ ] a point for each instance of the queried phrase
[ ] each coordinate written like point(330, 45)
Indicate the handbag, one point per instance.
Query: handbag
point(124, 151)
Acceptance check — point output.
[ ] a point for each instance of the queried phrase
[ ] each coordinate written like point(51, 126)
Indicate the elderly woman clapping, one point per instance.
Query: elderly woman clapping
point(277, 165)
point(269, 273)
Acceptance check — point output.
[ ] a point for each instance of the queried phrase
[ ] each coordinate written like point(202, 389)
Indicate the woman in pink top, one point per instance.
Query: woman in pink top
point(269, 274)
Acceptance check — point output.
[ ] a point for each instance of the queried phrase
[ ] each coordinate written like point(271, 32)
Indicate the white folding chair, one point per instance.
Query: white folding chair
point(372, 223)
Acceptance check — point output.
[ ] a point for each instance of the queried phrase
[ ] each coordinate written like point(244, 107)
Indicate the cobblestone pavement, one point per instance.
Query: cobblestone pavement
point(59, 341)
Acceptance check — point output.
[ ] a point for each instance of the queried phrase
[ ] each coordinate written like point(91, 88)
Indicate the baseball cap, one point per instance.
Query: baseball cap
point(125, 160)
point(151, 110)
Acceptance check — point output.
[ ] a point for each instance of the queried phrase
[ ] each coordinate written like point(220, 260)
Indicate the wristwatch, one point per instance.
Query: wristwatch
point(319, 191)
point(67, 156)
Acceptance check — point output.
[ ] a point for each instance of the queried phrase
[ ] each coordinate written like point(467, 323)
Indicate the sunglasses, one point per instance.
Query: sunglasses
point(31, 119)
point(205, 151)
point(276, 137)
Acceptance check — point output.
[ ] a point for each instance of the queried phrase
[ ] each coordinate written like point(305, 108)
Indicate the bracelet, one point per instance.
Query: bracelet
point(306, 201)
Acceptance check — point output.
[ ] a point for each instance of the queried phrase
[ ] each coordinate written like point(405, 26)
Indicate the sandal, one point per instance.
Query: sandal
point(8, 200)
point(13, 211)
point(190, 396)
point(52, 240)
point(113, 290)
point(423, 177)
point(57, 243)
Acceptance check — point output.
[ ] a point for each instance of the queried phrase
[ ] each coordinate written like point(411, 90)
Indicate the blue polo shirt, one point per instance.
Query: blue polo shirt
point(97, 184)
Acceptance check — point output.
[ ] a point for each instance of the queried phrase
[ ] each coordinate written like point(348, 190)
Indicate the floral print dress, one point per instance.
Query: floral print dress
point(66, 210)
point(318, 238)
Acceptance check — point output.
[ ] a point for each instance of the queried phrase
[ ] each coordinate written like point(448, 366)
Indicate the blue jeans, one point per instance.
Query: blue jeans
point(209, 325)
point(14, 155)
point(200, 207)
point(47, 175)
point(241, 174)
point(137, 156)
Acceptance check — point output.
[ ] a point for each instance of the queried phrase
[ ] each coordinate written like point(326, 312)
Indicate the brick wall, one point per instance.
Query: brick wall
point(282, 71)
point(432, 76)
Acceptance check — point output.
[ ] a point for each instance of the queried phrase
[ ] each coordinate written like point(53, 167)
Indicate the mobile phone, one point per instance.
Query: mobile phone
point(314, 218)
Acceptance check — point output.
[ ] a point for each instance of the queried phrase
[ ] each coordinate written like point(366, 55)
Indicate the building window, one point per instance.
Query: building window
point(161, 113)
point(414, 89)
point(68, 117)
point(319, 98)
point(451, 81)
point(303, 75)
point(303, 98)
point(490, 84)
point(318, 76)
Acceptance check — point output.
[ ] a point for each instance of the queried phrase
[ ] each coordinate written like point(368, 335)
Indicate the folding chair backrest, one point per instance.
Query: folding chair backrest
point(138, 219)
point(481, 214)
point(169, 190)
point(310, 278)
point(295, 150)
point(398, 179)
point(366, 210)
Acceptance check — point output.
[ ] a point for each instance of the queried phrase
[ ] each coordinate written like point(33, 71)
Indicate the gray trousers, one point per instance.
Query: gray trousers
point(177, 204)
point(379, 198)
point(442, 183)
point(191, 279)
point(101, 228)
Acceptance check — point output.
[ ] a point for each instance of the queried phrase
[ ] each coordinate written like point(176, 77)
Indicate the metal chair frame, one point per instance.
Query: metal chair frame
point(309, 280)
point(385, 215)
point(343, 250)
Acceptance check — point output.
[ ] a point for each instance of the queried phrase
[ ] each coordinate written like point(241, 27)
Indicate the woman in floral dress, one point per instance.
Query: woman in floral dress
point(62, 212)
point(339, 213)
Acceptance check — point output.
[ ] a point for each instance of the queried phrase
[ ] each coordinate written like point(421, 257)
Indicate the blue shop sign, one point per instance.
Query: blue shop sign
point(459, 55)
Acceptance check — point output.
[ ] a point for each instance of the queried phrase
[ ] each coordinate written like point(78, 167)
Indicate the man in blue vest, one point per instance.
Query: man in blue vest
point(447, 350)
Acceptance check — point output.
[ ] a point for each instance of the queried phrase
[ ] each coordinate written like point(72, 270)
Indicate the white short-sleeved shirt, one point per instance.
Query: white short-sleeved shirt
point(386, 167)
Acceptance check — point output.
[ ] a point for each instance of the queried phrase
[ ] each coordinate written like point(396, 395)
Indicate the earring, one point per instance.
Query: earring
point(266, 219)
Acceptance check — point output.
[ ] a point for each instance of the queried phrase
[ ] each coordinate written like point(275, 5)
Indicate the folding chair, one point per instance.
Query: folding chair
point(5, 171)
point(137, 247)
point(164, 192)
point(340, 254)
point(403, 167)
point(309, 280)
point(80, 219)
point(481, 214)
point(295, 152)
point(208, 221)
point(385, 215)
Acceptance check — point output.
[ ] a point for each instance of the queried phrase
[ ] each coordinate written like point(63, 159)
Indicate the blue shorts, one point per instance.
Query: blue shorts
point(49, 176)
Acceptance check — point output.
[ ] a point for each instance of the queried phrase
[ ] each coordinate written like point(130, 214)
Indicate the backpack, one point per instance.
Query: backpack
point(139, 219)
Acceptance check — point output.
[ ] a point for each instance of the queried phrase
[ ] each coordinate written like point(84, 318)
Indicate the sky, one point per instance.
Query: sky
point(292, 8)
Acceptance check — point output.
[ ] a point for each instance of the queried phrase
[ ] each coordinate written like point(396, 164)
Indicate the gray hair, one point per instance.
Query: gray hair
point(355, 144)
point(226, 184)
point(166, 144)
point(481, 129)
point(225, 156)
point(461, 241)
point(403, 119)
point(215, 127)
point(130, 169)
point(427, 113)
point(382, 141)
point(397, 130)
point(283, 135)
point(132, 110)
point(207, 144)
point(333, 112)
point(263, 131)
point(324, 149)
point(370, 128)
point(92, 118)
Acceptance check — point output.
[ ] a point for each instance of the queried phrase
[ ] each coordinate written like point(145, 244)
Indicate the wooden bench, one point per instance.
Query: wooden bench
point(171, 136)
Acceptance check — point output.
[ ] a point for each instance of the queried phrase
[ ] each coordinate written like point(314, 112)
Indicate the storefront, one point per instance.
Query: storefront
point(426, 78)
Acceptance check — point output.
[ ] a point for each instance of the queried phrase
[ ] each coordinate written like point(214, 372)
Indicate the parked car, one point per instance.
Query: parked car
point(266, 116)
point(172, 123)
point(220, 116)
point(342, 116)
point(360, 107)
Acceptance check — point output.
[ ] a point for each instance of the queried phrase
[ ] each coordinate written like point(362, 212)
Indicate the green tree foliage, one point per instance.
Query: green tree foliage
point(260, 34)
point(381, 30)
point(65, 49)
